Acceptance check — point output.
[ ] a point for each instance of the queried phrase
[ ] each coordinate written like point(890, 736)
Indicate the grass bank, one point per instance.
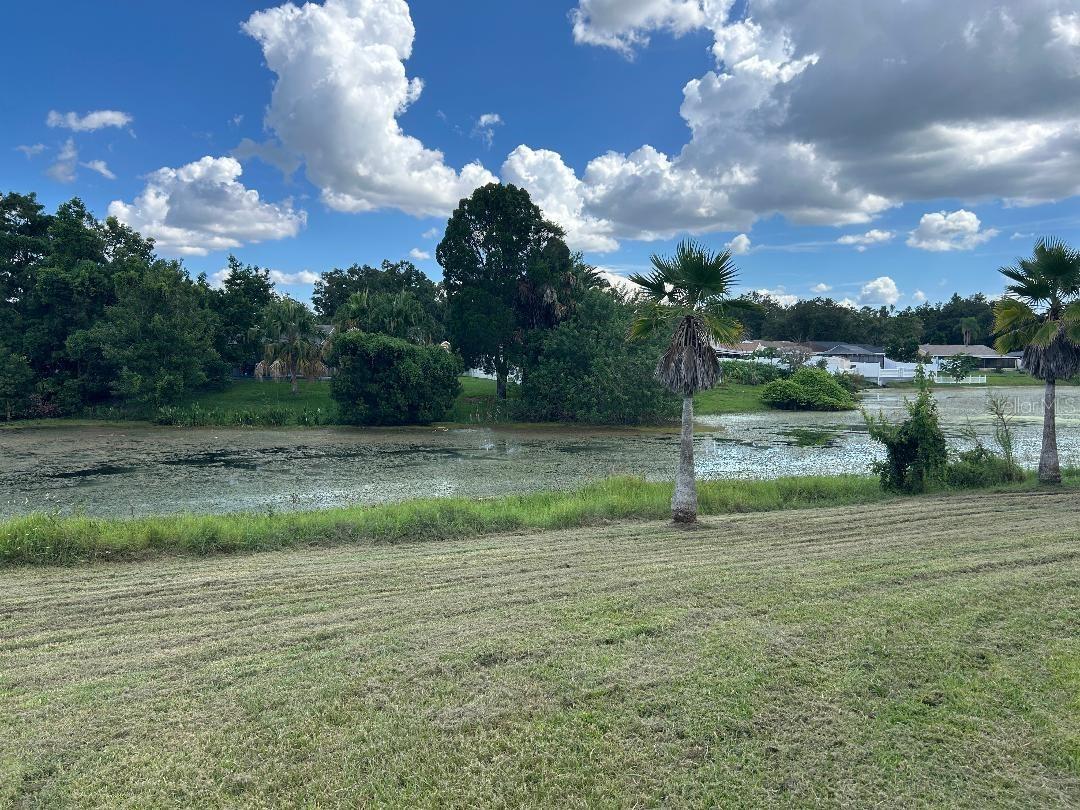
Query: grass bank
point(730, 398)
point(906, 658)
point(51, 539)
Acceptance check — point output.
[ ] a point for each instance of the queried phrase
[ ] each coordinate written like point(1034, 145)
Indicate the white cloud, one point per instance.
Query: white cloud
point(202, 207)
point(431, 233)
point(419, 255)
point(780, 296)
point(624, 25)
point(618, 281)
point(31, 150)
point(484, 128)
point(1018, 235)
point(863, 240)
point(270, 152)
point(561, 196)
point(799, 115)
point(63, 170)
point(821, 288)
point(300, 277)
point(739, 245)
point(882, 291)
point(98, 119)
point(918, 296)
point(941, 231)
point(341, 85)
point(100, 167)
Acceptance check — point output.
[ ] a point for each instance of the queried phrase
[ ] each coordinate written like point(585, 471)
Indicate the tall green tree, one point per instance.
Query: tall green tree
point(156, 342)
point(506, 271)
point(335, 287)
point(290, 337)
point(245, 294)
point(688, 296)
point(1040, 314)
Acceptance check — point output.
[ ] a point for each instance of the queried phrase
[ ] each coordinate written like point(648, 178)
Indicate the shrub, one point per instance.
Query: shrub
point(381, 380)
point(808, 389)
point(749, 372)
point(586, 371)
point(915, 449)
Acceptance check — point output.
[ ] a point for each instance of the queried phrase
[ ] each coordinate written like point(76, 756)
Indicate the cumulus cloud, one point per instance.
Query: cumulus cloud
point(618, 281)
point(561, 195)
point(419, 255)
point(341, 86)
point(941, 231)
point(624, 25)
point(820, 289)
point(882, 291)
point(918, 296)
point(299, 277)
point(98, 119)
point(202, 207)
point(100, 167)
point(484, 128)
point(862, 241)
point(739, 245)
point(431, 233)
point(63, 169)
point(780, 296)
point(799, 118)
point(32, 150)
point(270, 152)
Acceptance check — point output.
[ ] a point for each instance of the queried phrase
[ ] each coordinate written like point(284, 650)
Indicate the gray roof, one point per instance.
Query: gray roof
point(953, 349)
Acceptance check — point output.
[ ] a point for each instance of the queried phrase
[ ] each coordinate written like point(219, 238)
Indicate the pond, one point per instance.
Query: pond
point(138, 469)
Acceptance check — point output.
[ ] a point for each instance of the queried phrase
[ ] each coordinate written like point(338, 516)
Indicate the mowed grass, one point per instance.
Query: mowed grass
point(895, 656)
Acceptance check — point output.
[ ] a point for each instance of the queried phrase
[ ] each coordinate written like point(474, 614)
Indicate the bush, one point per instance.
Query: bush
point(586, 371)
point(915, 449)
point(980, 467)
point(381, 380)
point(808, 389)
point(749, 372)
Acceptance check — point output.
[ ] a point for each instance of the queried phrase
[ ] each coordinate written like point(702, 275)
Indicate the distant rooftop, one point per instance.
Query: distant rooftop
point(953, 349)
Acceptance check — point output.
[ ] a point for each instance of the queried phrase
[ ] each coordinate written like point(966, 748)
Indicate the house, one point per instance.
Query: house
point(743, 350)
point(851, 352)
point(987, 357)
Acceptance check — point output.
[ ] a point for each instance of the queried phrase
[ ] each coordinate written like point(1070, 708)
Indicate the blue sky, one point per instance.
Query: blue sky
point(892, 126)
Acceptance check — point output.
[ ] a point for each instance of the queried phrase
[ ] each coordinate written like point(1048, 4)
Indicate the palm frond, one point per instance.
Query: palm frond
point(650, 318)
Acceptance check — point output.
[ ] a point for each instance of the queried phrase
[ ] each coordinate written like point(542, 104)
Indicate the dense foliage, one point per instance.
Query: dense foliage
point(750, 372)
point(95, 315)
point(809, 389)
point(381, 380)
point(335, 287)
point(587, 372)
point(507, 275)
point(915, 451)
point(956, 321)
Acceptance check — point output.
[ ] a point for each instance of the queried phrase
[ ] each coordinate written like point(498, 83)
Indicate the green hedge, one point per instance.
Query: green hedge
point(808, 389)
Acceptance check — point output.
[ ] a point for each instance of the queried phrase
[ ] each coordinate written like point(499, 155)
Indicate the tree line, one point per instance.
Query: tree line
point(90, 315)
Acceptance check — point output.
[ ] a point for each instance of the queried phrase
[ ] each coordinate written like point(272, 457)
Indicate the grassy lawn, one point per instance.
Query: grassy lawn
point(730, 398)
point(898, 656)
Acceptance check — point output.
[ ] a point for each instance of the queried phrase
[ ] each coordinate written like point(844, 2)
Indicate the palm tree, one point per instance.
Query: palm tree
point(1040, 314)
point(687, 296)
point(291, 338)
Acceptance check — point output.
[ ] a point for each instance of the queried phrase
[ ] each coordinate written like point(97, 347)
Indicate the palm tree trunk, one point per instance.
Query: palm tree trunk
point(1049, 465)
point(295, 387)
point(501, 373)
point(684, 505)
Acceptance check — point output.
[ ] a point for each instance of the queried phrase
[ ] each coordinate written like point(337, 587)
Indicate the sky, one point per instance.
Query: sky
point(881, 152)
